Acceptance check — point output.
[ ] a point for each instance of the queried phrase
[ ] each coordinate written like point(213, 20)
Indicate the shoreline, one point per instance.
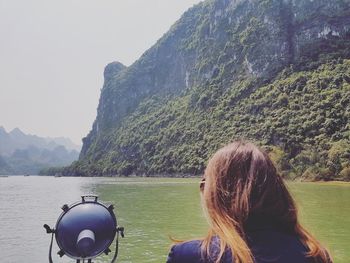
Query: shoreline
point(158, 176)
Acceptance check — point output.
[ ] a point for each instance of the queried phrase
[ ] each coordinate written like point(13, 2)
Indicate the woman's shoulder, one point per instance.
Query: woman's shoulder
point(191, 252)
point(267, 245)
point(186, 252)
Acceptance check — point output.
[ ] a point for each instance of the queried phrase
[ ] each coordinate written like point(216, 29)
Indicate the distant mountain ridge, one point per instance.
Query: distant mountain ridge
point(16, 139)
point(21, 153)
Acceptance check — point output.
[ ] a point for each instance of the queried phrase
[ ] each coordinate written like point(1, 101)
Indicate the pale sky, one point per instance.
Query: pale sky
point(53, 52)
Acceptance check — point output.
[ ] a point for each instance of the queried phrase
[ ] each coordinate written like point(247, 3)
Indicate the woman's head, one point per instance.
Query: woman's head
point(243, 186)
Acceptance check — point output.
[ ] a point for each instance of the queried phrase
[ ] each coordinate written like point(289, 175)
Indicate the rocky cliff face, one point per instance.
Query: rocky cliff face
point(164, 69)
point(217, 47)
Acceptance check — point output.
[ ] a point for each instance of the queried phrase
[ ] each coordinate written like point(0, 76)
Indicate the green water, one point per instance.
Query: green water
point(153, 210)
point(325, 211)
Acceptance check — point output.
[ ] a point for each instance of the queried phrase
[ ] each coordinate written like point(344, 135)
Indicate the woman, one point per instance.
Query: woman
point(252, 216)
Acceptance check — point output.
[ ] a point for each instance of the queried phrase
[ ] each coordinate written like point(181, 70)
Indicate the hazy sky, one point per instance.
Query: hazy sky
point(53, 52)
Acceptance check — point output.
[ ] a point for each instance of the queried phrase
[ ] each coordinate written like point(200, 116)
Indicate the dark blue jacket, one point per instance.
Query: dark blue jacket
point(267, 245)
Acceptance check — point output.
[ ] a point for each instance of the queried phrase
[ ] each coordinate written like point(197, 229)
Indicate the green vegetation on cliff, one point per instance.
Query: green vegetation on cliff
point(303, 118)
point(275, 72)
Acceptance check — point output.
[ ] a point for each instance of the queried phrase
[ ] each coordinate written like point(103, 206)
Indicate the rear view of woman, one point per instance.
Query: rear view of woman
point(252, 216)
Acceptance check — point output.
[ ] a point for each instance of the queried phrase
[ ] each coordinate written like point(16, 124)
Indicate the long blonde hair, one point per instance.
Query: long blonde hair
point(242, 183)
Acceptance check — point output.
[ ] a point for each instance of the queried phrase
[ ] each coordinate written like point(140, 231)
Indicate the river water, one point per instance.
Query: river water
point(26, 203)
point(151, 210)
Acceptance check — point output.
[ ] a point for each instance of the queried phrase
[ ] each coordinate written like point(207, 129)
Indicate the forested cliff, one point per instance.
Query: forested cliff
point(273, 71)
